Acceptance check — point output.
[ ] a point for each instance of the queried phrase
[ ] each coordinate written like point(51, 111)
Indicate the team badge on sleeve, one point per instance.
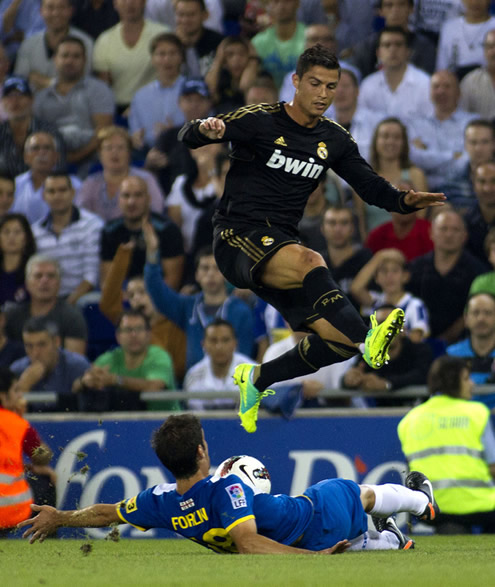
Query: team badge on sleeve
point(237, 496)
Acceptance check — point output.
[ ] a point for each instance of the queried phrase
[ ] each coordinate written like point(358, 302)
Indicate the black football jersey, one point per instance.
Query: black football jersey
point(277, 163)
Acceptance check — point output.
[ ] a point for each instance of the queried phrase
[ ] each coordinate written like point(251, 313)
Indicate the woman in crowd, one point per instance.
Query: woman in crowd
point(99, 192)
point(389, 157)
point(17, 244)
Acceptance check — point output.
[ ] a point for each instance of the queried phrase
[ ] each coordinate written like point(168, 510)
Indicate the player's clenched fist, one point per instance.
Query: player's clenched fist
point(212, 127)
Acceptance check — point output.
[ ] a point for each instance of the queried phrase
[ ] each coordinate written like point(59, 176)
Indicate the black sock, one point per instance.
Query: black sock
point(309, 355)
point(333, 305)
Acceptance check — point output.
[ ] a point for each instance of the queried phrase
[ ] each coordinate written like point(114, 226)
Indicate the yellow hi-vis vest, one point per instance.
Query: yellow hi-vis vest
point(442, 438)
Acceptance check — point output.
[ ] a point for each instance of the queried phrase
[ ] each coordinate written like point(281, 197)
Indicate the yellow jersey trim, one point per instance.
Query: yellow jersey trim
point(240, 521)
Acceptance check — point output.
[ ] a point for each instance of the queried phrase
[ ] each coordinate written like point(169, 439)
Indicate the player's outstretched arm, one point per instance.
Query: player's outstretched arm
point(248, 541)
point(424, 199)
point(49, 519)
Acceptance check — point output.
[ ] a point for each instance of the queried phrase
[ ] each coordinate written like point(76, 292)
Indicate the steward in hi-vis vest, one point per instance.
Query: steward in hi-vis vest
point(450, 439)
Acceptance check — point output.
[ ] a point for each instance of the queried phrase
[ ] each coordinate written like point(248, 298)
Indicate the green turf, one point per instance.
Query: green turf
point(436, 561)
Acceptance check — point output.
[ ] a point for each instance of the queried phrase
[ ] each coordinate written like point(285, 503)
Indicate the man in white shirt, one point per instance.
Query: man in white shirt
point(399, 88)
point(72, 236)
point(215, 371)
point(437, 140)
point(163, 11)
point(460, 46)
point(478, 86)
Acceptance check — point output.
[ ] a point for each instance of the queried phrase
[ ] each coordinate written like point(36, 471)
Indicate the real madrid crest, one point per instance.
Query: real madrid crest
point(267, 241)
point(322, 151)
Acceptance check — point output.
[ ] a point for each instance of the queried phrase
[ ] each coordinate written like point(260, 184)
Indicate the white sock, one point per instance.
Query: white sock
point(391, 499)
point(372, 540)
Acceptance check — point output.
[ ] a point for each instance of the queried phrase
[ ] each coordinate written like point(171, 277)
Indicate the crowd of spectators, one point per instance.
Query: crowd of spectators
point(108, 283)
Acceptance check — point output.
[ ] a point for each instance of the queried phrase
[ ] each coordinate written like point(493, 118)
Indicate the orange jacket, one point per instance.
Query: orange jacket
point(15, 493)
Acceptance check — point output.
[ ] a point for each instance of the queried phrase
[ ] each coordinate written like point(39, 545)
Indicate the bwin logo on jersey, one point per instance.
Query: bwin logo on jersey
point(295, 166)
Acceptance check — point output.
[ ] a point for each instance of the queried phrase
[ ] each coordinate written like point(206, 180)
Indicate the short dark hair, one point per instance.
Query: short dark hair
point(59, 173)
point(316, 55)
point(206, 251)
point(134, 312)
point(445, 375)
point(480, 123)
point(6, 176)
point(74, 40)
point(380, 4)
point(200, 2)
point(397, 30)
point(170, 38)
point(176, 444)
point(40, 324)
point(220, 322)
point(7, 377)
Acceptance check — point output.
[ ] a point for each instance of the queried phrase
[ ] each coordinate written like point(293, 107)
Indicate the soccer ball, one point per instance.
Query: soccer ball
point(249, 470)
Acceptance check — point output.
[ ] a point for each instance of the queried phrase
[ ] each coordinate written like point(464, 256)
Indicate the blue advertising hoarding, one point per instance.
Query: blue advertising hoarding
point(103, 461)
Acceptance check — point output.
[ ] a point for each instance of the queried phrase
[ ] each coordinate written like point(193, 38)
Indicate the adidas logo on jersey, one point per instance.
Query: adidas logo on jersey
point(280, 141)
point(295, 166)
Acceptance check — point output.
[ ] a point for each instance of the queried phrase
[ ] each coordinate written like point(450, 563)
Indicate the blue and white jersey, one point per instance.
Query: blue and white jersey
point(212, 507)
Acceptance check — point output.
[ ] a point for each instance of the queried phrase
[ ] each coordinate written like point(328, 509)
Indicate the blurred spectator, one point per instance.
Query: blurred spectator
point(190, 194)
point(42, 284)
point(485, 283)
point(343, 256)
point(76, 103)
point(134, 203)
point(389, 157)
point(200, 42)
point(48, 367)
point(234, 68)
point(394, 13)
point(442, 277)
point(116, 378)
point(481, 216)
point(408, 365)
point(399, 88)
point(10, 350)
point(193, 313)
point(164, 333)
point(479, 147)
point(477, 93)
point(35, 57)
point(478, 348)
point(4, 74)
point(437, 139)
point(121, 54)
point(70, 235)
point(261, 91)
point(388, 269)
point(170, 158)
point(351, 25)
point(7, 189)
point(20, 19)
point(405, 232)
point(429, 15)
point(460, 45)
point(19, 438)
point(99, 192)
point(155, 107)
point(17, 245)
point(94, 16)
point(41, 157)
point(280, 44)
point(269, 327)
point(163, 11)
point(310, 224)
point(450, 439)
point(216, 370)
point(20, 122)
point(359, 121)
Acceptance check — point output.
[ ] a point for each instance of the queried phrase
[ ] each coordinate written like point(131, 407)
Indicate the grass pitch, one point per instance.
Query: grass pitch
point(436, 561)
